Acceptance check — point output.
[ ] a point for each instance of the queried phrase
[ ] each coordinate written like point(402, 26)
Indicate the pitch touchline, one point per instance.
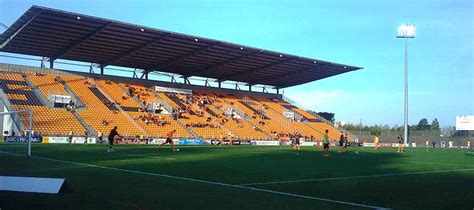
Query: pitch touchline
point(356, 177)
point(212, 183)
point(419, 162)
point(430, 163)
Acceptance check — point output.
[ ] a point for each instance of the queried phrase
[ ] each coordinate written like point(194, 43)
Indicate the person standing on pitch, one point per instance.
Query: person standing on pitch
point(376, 142)
point(86, 136)
point(346, 142)
point(99, 135)
point(221, 139)
point(341, 143)
point(297, 146)
point(326, 143)
point(400, 144)
point(71, 133)
point(169, 140)
point(427, 144)
point(112, 135)
point(231, 141)
point(292, 141)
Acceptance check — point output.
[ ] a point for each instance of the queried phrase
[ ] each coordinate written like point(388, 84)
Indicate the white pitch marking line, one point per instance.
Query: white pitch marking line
point(213, 183)
point(420, 162)
point(356, 177)
point(431, 163)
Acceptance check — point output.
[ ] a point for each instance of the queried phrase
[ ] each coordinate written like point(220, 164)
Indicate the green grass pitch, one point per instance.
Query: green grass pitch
point(243, 177)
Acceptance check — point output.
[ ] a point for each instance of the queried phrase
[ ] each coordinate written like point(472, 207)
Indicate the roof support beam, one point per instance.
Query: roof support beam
point(186, 80)
point(19, 30)
point(218, 65)
point(135, 75)
point(43, 60)
point(174, 61)
point(134, 50)
point(78, 43)
point(144, 74)
point(51, 63)
point(91, 68)
point(251, 71)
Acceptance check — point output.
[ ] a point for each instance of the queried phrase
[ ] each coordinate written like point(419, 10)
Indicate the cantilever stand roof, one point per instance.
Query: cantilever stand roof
point(59, 34)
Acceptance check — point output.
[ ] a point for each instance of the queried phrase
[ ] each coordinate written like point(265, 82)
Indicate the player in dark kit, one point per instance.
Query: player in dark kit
point(341, 143)
point(169, 140)
point(297, 147)
point(346, 141)
point(112, 135)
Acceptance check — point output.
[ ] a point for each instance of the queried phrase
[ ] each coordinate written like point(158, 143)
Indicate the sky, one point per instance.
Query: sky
point(359, 33)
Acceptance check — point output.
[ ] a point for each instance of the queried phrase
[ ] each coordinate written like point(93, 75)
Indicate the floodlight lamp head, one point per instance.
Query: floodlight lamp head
point(406, 31)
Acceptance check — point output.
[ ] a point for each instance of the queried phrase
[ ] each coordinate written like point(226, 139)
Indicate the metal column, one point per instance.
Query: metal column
point(405, 131)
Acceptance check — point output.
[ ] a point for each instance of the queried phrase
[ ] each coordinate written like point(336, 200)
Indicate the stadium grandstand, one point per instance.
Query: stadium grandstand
point(68, 103)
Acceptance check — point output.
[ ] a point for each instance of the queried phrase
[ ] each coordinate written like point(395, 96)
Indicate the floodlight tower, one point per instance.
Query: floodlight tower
point(406, 32)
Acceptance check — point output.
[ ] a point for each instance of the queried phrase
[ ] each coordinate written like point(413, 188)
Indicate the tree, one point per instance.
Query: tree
point(327, 115)
point(435, 124)
point(423, 124)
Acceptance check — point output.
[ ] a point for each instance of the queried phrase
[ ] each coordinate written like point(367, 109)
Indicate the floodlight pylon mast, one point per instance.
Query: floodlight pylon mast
point(405, 115)
point(406, 32)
